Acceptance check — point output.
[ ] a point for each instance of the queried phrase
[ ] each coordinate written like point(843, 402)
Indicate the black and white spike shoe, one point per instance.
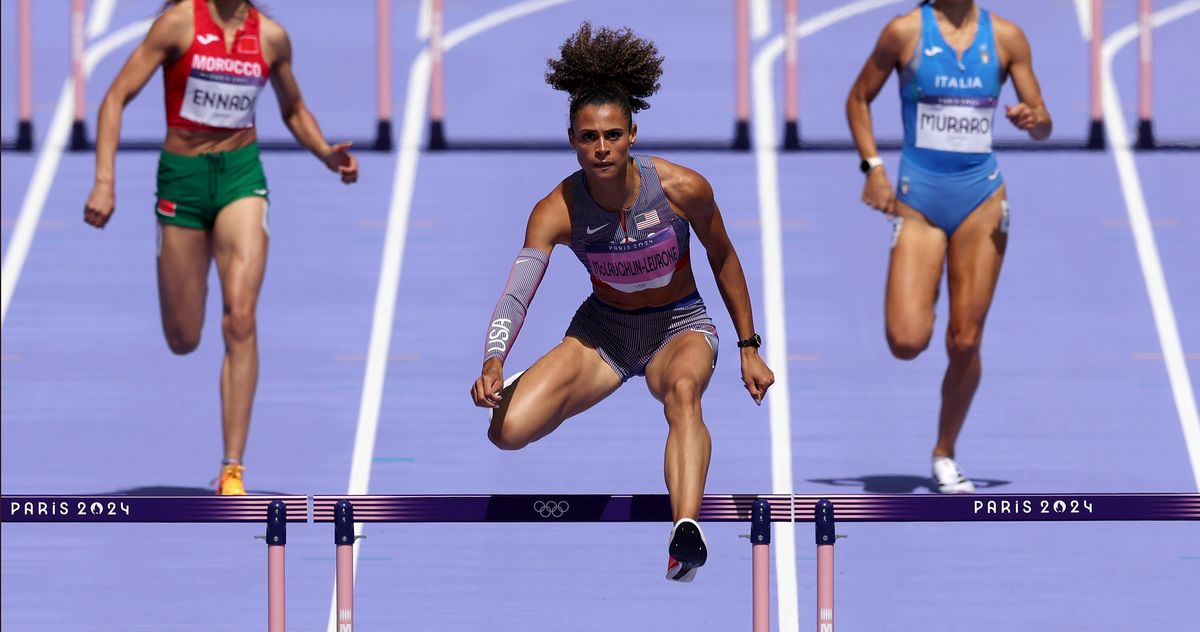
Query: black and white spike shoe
point(687, 551)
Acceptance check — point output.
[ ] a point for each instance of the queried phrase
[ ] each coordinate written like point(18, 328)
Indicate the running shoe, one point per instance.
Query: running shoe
point(687, 551)
point(948, 478)
point(229, 483)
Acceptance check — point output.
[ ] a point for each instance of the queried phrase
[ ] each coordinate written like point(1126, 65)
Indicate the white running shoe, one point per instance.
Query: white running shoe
point(687, 551)
point(507, 382)
point(948, 478)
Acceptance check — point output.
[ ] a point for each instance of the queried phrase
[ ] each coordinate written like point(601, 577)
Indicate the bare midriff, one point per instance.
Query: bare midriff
point(188, 142)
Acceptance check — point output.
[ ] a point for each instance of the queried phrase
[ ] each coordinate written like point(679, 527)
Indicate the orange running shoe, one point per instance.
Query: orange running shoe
point(230, 481)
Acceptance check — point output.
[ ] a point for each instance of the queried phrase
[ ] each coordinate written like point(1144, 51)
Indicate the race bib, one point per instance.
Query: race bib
point(960, 124)
point(222, 92)
point(636, 266)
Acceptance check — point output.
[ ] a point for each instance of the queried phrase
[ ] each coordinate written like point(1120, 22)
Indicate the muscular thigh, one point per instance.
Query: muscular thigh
point(568, 380)
point(976, 254)
point(688, 357)
point(914, 273)
point(240, 248)
point(183, 260)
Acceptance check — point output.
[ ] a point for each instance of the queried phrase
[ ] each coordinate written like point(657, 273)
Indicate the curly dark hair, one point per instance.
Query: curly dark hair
point(606, 66)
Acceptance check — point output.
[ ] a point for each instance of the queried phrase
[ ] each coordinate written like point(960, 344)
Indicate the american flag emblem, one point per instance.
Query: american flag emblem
point(649, 219)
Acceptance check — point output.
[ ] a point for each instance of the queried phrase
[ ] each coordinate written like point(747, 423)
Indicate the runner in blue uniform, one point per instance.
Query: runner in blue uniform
point(949, 208)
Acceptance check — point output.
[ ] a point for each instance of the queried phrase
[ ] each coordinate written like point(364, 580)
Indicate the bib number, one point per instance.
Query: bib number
point(961, 125)
point(217, 103)
point(641, 265)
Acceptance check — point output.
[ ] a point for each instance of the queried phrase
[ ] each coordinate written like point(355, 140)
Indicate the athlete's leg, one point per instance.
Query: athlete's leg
point(913, 277)
point(184, 255)
point(677, 377)
point(571, 378)
point(240, 248)
point(976, 253)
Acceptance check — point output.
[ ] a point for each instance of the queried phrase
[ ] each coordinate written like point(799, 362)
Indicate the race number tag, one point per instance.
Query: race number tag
point(222, 92)
point(959, 124)
point(640, 265)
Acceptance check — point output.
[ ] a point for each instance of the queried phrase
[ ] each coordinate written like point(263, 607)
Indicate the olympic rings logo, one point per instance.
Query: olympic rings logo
point(551, 508)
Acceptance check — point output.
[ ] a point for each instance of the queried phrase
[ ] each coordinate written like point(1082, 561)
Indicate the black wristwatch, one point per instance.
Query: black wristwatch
point(753, 341)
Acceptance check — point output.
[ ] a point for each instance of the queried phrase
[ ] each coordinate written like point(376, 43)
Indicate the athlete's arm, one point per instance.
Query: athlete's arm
point(895, 39)
point(1030, 114)
point(549, 224)
point(296, 114)
point(693, 195)
point(168, 35)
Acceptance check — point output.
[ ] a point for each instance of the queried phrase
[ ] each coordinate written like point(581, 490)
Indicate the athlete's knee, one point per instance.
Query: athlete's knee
point(907, 344)
point(963, 340)
point(239, 323)
point(181, 341)
point(502, 436)
point(681, 400)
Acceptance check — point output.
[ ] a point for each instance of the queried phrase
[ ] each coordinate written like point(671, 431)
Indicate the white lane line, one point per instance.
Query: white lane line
point(408, 155)
point(99, 18)
point(1083, 10)
point(44, 171)
point(760, 18)
point(424, 20)
point(766, 158)
point(1143, 235)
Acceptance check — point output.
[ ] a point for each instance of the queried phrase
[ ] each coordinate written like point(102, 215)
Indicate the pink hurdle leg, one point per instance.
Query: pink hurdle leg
point(275, 590)
point(343, 537)
point(762, 587)
point(345, 588)
point(760, 539)
point(825, 588)
point(826, 536)
point(276, 540)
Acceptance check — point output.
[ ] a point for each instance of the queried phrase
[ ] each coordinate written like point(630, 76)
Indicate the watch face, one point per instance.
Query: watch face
point(864, 166)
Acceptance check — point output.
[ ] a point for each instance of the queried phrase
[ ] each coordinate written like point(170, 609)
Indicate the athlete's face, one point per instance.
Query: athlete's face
point(601, 136)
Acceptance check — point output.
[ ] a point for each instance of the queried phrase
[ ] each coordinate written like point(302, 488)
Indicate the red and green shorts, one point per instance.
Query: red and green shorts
point(193, 189)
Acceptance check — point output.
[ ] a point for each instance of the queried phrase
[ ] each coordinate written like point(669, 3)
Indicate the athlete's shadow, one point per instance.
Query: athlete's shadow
point(897, 483)
point(178, 490)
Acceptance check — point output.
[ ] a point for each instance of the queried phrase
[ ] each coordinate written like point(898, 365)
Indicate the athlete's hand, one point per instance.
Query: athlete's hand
point(878, 192)
point(486, 390)
point(99, 205)
point(755, 375)
point(341, 161)
point(1021, 116)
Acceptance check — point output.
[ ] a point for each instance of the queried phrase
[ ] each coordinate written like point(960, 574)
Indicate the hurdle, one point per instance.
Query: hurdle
point(826, 538)
point(383, 75)
point(1145, 135)
point(79, 139)
point(791, 75)
point(437, 78)
point(1095, 138)
point(760, 544)
point(758, 509)
point(1145, 87)
point(439, 140)
point(543, 509)
point(24, 76)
